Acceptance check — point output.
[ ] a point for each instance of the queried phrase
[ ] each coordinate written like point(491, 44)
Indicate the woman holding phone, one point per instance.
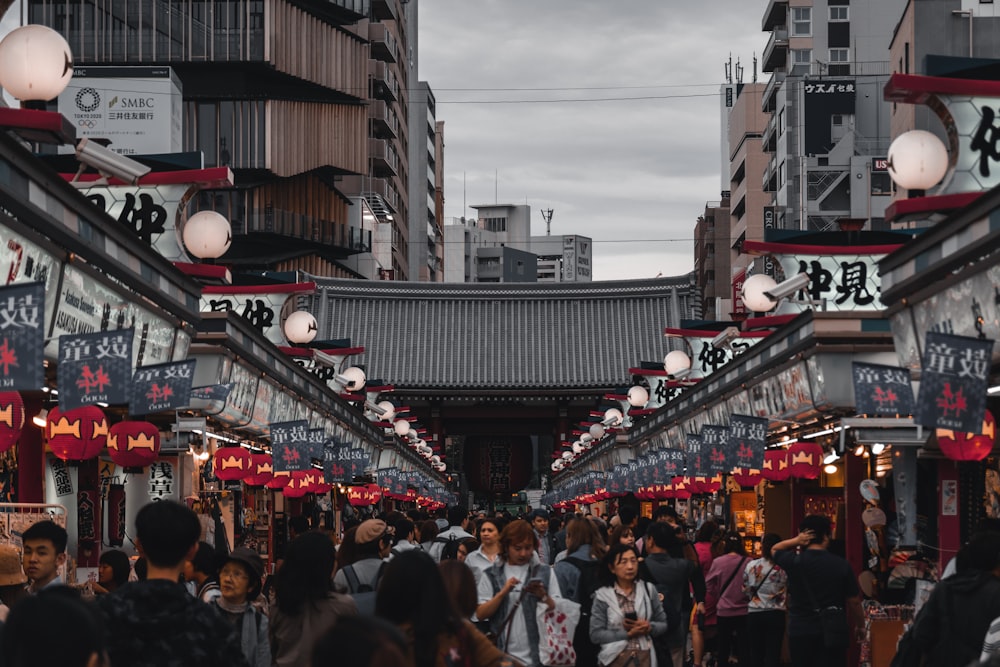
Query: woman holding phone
point(626, 612)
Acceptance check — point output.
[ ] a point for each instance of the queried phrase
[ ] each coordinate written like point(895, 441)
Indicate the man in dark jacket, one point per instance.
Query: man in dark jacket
point(680, 576)
point(156, 623)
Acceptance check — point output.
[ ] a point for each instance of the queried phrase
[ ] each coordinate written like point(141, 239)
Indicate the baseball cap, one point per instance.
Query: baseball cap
point(370, 530)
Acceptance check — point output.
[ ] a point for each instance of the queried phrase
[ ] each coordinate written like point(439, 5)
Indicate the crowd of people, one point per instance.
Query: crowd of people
point(470, 591)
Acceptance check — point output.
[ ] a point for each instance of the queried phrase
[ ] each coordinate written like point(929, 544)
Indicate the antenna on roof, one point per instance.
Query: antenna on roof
point(547, 215)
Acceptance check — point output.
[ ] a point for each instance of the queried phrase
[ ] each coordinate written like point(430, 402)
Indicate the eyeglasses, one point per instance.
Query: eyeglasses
point(234, 573)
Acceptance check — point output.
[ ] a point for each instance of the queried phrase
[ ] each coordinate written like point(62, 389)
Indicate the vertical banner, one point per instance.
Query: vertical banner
point(715, 441)
point(747, 441)
point(161, 387)
point(697, 457)
point(882, 390)
point(334, 469)
point(953, 382)
point(669, 464)
point(94, 368)
point(116, 515)
point(22, 337)
point(290, 446)
point(316, 439)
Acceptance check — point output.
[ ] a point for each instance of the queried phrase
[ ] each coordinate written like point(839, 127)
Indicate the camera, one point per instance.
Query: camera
point(788, 287)
point(109, 163)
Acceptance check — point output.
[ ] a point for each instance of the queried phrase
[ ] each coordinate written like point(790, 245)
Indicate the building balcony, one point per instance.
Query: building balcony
point(384, 85)
point(769, 98)
point(774, 15)
point(384, 45)
point(383, 189)
point(769, 182)
point(383, 119)
point(384, 10)
point(384, 160)
point(776, 51)
point(301, 227)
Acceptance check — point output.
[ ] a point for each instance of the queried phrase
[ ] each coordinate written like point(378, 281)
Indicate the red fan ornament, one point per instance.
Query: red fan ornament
point(969, 446)
point(77, 435)
point(805, 460)
point(11, 419)
point(133, 444)
point(233, 463)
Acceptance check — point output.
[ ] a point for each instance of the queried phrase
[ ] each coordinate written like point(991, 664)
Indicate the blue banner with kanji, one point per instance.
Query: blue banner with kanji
point(161, 387)
point(94, 368)
point(337, 462)
point(747, 441)
point(316, 437)
point(290, 446)
point(715, 443)
point(882, 391)
point(670, 463)
point(697, 456)
point(954, 379)
point(22, 337)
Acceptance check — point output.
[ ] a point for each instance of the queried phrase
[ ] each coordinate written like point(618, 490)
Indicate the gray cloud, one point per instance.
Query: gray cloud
point(635, 174)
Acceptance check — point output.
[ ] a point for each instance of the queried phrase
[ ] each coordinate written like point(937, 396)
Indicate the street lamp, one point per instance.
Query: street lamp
point(300, 327)
point(917, 160)
point(207, 235)
point(36, 63)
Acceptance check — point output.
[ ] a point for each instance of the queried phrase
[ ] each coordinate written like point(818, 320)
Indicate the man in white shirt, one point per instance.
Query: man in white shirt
point(458, 520)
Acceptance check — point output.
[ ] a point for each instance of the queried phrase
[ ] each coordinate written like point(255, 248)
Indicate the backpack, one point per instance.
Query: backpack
point(363, 594)
point(449, 547)
point(587, 585)
point(673, 614)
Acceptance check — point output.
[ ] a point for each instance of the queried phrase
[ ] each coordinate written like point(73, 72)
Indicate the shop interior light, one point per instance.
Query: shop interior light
point(831, 457)
point(878, 448)
point(39, 419)
point(830, 469)
point(859, 450)
point(995, 389)
point(826, 431)
point(216, 436)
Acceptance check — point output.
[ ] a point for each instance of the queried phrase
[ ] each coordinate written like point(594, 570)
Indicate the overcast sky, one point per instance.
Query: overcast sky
point(632, 174)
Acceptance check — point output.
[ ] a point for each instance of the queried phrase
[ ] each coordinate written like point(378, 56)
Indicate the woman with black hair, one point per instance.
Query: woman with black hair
point(724, 586)
point(307, 606)
point(362, 641)
point(412, 595)
point(113, 569)
point(765, 584)
point(626, 612)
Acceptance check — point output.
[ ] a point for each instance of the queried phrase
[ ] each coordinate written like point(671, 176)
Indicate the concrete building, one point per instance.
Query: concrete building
point(426, 233)
point(564, 258)
point(711, 259)
point(305, 102)
point(828, 65)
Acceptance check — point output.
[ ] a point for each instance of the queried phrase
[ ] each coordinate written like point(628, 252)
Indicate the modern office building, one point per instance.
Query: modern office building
point(711, 259)
point(426, 233)
point(828, 65)
point(306, 102)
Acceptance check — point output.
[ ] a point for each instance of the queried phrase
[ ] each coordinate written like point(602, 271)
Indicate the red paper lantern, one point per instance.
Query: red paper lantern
point(133, 444)
point(77, 435)
point(681, 489)
point(298, 485)
point(969, 446)
point(747, 476)
point(711, 484)
point(11, 418)
point(805, 460)
point(359, 496)
point(376, 492)
point(232, 463)
point(776, 465)
point(260, 470)
point(279, 480)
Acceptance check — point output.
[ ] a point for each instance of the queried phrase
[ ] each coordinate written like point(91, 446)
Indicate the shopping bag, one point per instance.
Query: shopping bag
point(555, 630)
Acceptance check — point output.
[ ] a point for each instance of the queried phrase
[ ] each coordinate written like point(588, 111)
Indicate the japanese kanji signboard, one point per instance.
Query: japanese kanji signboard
point(161, 387)
point(882, 390)
point(715, 441)
point(290, 446)
point(697, 456)
point(336, 468)
point(94, 368)
point(22, 337)
point(669, 464)
point(747, 441)
point(953, 382)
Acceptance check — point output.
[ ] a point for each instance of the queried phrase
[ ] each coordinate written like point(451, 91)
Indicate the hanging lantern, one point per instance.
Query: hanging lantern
point(11, 419)
point(77, 435)
point(969, 446)
point(35, 63)
point(261, 471)
point(805, 460)
point(232, 463)
point(133, 444)
point(359, 496)
point(681, 488)
point(298, 485)
point(776, 465)
point(711, 484)
point(279, 480)
point(315, 483)
point(747, 477)
point(376, 492)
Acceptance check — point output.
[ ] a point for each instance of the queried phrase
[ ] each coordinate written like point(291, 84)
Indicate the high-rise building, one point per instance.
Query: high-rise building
point(711, 258)
point(828, 65)
point(426, 233)
point(305, 101)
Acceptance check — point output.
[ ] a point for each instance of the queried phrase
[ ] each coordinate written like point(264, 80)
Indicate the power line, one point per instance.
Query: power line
point(591, 99)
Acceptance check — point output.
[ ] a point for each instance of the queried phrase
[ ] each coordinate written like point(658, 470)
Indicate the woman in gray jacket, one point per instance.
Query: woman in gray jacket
point(626, 613)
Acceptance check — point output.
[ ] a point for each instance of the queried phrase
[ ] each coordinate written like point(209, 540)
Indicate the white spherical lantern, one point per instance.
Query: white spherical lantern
point(613, 416)
point(425, 450)
point(388, 410)
point(578, 447)
point(597, 431)
point(207, 235)
point(35, 63)
point(301, 327)
point(753, 295)
point(353, 379)
point(417, 443)
point(401, 427)
point(638, 397)
point(435, 459)
point(557, 465)
point(441, 467)
point(917, 160)
point(676, 362)
point(566, 456)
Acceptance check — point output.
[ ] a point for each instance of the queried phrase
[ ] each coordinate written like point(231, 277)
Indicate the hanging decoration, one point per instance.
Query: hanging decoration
point(77, 435)
point(747, 477)
point(959, 446)
point(298, 485)
point(260, 470)
point(232, 463)
point(279, 480)
point(805, 460)
point(11, 419)
point(776, 465)
point(133, 444)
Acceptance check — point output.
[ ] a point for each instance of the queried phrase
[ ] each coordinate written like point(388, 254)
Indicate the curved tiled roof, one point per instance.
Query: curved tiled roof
point(524, 336)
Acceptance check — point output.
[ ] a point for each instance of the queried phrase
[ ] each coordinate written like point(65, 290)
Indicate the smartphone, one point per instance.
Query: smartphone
point(632, 616)
point(533, 582)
